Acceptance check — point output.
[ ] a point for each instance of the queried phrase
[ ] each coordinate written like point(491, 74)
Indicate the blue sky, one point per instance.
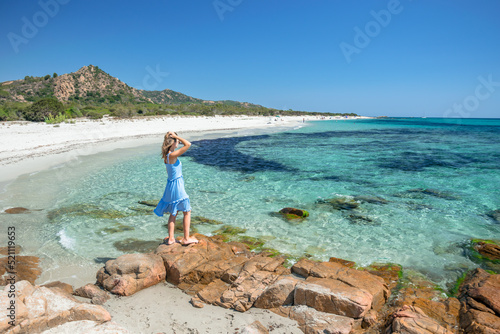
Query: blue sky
point(394, 58)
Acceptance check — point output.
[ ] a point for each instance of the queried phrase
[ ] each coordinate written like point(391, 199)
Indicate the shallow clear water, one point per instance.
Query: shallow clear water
point(241, 180)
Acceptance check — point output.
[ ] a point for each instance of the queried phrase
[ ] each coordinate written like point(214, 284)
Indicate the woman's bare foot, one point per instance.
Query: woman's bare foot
point(169, 242)
point(189, 241)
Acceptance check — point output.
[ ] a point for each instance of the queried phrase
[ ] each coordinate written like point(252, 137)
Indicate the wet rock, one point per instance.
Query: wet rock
point(495, 215)
point(17, 210)
point(278, 294)
point(136, 245)
point(390, 273)
point(339, 203)
point(487, 248)
point(25, 268)
point(39, 308)
point(92, 291)
point(130, 273)
point(410, 319)
point(343, 262)
point(486, 253)
point(356, 278)
point(293, 213)
point(371, 199)
point(316, 322)
point(254, 328)
point(64, 287)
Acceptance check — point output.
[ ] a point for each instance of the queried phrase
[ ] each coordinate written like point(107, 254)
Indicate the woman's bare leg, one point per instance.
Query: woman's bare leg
point(186, 224)
point(171, 230)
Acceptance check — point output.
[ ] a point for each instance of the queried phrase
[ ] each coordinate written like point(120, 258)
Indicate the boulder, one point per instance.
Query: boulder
point(26, 268)
point(252, 279)
point(371, 199)
point(130, 273)
point(278, 294)
point(254, 328)
point(480, 300)
point(312, 321)
point(356, 278)
point(40, 308)
point(333, 296)
point(412, 320)
point(92, 291)
point(180, 261)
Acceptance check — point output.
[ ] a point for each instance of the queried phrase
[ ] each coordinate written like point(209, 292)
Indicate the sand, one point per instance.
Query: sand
point(29, 147)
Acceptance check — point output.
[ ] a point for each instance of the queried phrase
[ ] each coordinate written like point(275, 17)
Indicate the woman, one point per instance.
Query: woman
point(175, 197)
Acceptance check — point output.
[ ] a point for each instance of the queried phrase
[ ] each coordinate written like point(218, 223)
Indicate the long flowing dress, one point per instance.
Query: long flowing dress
point(175, 197)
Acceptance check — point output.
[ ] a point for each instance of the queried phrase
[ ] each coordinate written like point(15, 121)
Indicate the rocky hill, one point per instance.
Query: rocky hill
point(90, 84)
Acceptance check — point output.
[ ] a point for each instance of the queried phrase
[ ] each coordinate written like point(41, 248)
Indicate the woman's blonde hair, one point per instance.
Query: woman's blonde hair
point(167, 144)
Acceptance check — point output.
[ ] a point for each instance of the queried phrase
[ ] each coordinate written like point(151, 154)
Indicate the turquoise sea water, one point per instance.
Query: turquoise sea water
point(439, 178)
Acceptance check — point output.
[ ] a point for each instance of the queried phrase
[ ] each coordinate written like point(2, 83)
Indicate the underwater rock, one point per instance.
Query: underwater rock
point(434, 192)
point(202, 220)
point(17, 210)
point(495, 215)
point(153, 202)
point(90, 210)
point(356, 219)
point(116, 228)
point(136, 245)
point(228, 230)
point(292, 213)
point(371, 199)
point(248, 179)
point(340, 203)
point(142, 210)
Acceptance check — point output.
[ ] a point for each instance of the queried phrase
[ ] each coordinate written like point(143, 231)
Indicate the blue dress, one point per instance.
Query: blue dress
point(175, 197)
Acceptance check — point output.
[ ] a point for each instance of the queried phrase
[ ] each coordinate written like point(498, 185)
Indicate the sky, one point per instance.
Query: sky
point(417, 58)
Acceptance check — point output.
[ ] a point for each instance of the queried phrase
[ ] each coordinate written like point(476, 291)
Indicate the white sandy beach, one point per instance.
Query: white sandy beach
point(29, 147)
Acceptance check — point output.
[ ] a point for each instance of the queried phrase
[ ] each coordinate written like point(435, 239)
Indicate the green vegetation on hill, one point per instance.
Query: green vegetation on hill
point(91, 92)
